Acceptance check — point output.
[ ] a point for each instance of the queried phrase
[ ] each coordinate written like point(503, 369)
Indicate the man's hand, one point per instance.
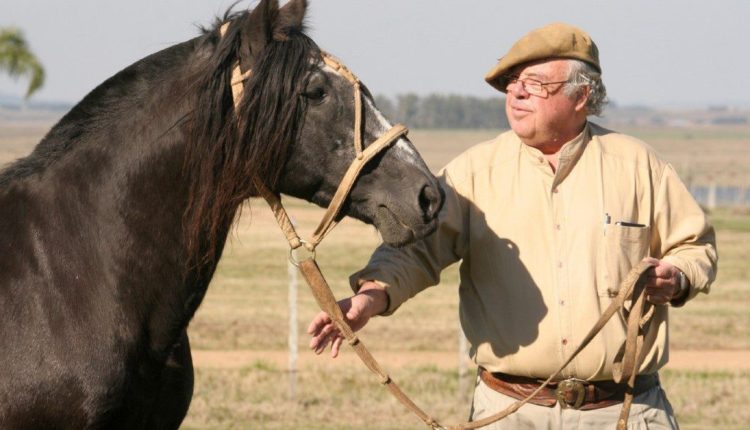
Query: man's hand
point(662, 281)
point(369, 301)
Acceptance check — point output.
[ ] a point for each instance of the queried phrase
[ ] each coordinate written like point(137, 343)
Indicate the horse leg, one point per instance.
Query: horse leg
point(176, 390)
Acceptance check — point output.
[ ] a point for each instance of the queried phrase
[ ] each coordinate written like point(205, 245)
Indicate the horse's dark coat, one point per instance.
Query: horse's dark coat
point(111, 229)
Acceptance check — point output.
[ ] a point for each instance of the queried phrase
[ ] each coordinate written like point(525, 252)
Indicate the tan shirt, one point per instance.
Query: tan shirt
point(541, 251)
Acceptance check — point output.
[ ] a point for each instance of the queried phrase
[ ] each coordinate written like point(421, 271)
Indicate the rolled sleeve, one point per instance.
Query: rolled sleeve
point(404, 272)
point(687, 240)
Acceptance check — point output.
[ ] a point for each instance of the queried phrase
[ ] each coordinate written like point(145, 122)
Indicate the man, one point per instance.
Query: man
point(547, 219)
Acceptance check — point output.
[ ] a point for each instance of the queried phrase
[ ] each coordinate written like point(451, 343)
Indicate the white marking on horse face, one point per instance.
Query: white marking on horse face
point(404, 150)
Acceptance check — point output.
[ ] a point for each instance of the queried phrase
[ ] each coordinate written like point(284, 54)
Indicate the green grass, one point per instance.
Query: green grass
point(704, 400)
point(731, 221)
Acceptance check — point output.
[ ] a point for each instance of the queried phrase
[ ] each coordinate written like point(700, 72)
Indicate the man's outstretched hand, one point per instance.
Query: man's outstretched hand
point(358, 309)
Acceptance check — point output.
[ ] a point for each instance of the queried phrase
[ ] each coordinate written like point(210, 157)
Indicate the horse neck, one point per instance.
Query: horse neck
point(119, 183)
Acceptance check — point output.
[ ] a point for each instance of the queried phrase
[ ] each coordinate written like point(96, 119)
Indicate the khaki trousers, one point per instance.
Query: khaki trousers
point(650, 410)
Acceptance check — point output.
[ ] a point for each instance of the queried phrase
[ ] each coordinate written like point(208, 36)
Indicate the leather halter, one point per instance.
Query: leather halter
point(363, 155)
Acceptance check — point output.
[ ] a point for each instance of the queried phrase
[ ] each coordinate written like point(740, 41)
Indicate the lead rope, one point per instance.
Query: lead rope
point(308, 266)
point(632, 287)
point(626, 362)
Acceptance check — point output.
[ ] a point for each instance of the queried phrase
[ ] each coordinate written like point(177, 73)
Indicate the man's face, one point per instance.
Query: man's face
point(544, 121)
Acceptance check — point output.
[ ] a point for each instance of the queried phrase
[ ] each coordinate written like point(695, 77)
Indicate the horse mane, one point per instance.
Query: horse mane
point(226, 152)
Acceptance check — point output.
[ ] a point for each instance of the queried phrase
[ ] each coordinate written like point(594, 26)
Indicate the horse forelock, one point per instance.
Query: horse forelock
point(227, 150)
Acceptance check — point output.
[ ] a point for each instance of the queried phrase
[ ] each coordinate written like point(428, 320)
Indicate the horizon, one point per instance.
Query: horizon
point(15, 101)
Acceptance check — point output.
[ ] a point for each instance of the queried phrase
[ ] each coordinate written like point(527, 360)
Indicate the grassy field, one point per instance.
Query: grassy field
point(246, 310)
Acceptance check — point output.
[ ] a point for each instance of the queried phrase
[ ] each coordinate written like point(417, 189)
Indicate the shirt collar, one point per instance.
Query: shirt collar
point(570, 153)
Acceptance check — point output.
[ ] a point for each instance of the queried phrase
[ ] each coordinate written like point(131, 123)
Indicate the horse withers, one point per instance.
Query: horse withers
point(110, 231)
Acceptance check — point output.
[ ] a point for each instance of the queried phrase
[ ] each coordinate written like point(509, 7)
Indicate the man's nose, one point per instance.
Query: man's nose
point(518, 91)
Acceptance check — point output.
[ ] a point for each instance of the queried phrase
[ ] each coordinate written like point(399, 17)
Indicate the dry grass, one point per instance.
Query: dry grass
point(701, 155)
point(246, 308)
point(232, 318)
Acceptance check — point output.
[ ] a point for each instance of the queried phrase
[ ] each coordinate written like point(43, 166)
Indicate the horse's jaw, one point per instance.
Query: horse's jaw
point(397, 233)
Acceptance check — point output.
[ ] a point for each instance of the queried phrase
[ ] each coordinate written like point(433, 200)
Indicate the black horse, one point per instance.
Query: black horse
point(111, 229)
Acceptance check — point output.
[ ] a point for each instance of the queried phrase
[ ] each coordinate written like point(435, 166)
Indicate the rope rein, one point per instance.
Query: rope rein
point(628, 359)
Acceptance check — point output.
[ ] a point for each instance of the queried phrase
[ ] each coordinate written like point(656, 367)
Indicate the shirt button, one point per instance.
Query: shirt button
point(562, 302)
point(565, 341)
point(559, 264)
point(557, 226)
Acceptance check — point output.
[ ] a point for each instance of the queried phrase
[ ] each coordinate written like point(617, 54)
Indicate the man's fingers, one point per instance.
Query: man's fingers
point(333, 338)
point(659, 273)
point(657, 299)
point(322, 335)
point(661, 293)
point(660, 282)
point(336, 346)
point(323, 343)
point(319, 321)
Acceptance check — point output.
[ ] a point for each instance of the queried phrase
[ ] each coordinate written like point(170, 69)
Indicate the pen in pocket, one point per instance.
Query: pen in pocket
point(607, 220)
point(629, 224)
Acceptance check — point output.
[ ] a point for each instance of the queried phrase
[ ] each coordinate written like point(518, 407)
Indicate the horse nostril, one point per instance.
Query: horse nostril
point(429, 202)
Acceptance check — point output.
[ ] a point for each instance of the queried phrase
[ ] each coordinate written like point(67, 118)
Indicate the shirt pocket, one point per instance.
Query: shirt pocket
point(621, 248)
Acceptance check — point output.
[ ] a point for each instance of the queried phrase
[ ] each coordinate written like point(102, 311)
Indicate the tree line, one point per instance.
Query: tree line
point(444, 111)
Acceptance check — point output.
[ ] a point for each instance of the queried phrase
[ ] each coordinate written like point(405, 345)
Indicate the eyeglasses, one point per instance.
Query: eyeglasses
point(531, 86)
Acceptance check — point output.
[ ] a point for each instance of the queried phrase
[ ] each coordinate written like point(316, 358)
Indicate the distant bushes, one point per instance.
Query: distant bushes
point(444, 111)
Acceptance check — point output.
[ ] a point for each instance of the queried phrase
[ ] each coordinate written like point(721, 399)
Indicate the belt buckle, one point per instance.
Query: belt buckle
point(571, 385)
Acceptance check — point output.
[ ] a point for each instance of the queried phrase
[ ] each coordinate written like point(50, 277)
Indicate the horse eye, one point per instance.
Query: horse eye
point(316, 93)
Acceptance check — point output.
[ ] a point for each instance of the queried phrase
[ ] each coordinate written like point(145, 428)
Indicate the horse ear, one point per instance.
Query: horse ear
point(257, 31)
point(291, 16)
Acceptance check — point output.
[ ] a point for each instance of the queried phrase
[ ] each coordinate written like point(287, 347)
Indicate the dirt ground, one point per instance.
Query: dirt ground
point(707, 360)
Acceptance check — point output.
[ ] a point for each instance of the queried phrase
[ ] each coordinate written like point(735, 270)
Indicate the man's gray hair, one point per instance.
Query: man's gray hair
point(582, 75)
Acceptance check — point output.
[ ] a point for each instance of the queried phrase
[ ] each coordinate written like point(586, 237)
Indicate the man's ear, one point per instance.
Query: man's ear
point(290, 18)
point(583, 98)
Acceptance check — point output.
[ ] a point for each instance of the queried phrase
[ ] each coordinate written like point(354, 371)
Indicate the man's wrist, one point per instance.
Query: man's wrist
point(377, 294)
point(683, 286)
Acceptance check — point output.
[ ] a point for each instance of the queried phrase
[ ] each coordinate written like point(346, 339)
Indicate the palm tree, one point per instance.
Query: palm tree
point(17, 60)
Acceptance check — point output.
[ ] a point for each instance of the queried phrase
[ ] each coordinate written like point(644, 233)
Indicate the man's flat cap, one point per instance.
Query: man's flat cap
point(556, 40)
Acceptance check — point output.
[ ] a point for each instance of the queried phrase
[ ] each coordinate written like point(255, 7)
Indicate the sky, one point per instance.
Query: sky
point(665, 53)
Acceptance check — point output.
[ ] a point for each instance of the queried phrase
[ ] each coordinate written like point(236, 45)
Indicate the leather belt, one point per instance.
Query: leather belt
point(570, 393)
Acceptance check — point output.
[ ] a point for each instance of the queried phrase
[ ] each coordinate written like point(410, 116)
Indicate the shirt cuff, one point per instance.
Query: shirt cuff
point(681, 265)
